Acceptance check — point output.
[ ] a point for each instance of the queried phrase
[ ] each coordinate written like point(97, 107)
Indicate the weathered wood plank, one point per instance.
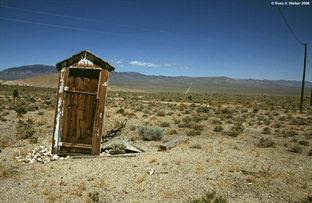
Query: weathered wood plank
point(58, 120)
point(76, 145)
point(170, 144)
point(70, 81)
point(81, 91)
point(99, 115)
point(80, 118)
point(86, 83)
point(72, 118)
point(78, 83)
point(94, 85)
point(102, 156)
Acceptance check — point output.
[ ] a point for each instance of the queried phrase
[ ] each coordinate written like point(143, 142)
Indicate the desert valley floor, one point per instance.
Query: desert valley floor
point(246, 148)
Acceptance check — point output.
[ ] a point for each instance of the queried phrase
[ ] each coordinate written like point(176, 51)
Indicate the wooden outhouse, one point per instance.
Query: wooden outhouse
point(79, 113)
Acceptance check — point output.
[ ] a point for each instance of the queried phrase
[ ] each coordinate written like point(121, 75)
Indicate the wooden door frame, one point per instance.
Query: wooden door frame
point(100, 110)
point(98, 117)
point(59, 110)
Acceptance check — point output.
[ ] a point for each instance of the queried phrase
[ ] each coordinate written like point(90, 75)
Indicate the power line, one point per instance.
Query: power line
point(75, 28)
point(91, 20)
point(117, 81)
point(309, 62)
point(288, 25)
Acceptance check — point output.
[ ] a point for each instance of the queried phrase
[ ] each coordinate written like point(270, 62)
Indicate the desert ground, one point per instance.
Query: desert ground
point(245, 148)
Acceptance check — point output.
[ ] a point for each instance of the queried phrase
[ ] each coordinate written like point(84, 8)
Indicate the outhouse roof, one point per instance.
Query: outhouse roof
point(84, 56)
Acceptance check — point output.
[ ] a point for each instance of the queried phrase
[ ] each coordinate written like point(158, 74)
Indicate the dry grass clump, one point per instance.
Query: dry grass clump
point(196, 146)
point(140, 179)
point(209, 197)
point(153, 159)
point(99, 182)
point(6, 171)
point(266, 142)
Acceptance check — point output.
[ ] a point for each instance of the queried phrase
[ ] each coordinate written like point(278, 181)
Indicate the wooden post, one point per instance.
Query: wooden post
point(59, 110)
point(99, 115)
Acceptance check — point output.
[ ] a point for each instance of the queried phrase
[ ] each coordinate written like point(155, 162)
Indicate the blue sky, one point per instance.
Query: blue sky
point(234, 38)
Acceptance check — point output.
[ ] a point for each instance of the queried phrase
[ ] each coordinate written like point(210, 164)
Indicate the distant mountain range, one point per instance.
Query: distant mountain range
point(23, 72)
point(43, 75)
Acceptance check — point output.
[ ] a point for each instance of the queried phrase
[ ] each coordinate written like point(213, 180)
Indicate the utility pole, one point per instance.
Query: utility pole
point(311, 95)
point(303, 78)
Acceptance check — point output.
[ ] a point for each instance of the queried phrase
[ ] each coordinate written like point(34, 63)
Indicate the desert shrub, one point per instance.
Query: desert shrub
point(289, 133)
point(30, 108)
point(244, 111)
point(216, 121)
point(118, 148)
point(150, 133)
point(296, 149)
point(277, 125)
point(94, 196)
point(303, 142)
point(187, 119)
point(218, 128)
point(266, 130)
point(199, 127)
point(191, 124)
point(266, 142)
point(308, 135)
point(32, 100)
point(25, 130)
point(165, 124)
point(203, 109)
point(33, 140)
point(15, 94)
point(232, 133)
point(298, 121)
point(209, 197)
point(226, 111)
point(256, 110)
point(48, 102)
point(172, 132)
point(193, 132)
point(20, 110)
point(132, 128)
point(238, 127)
point(160, 113)
point(266, 122)
point(40, 113)
point(121, 111)
point(199, 117)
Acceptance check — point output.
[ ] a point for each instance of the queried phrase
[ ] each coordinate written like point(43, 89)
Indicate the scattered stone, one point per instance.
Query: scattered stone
point(41, 154)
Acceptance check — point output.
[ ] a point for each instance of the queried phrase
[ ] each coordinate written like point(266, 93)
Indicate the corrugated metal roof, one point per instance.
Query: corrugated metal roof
point(118, 140)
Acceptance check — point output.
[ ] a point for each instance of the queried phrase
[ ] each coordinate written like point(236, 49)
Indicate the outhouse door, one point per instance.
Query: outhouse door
point(83, 111)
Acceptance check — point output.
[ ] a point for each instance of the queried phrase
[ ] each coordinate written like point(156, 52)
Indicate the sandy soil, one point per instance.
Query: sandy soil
point(235, 167)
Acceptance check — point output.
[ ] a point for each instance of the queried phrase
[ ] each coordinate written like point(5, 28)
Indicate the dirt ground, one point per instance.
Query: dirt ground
point(267, 160)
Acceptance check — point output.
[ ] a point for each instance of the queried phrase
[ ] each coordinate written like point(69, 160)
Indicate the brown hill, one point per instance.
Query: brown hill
point(50, 80)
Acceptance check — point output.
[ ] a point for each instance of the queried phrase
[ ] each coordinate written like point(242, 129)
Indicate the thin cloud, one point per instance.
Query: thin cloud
point(115, 62)
point(144, 64)
point(153, 65)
